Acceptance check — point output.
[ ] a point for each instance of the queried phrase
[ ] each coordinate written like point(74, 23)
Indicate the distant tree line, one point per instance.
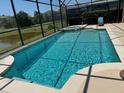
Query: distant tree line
point(25, 20)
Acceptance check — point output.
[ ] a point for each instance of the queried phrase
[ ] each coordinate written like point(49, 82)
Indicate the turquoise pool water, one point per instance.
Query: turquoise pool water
point(54, 60)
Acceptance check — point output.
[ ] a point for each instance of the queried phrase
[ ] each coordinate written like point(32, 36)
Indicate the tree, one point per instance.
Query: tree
point(3, 15)
point(24, 19)
point(35, 13)
point(9, 22)
point(36, 19)
point(47, 17)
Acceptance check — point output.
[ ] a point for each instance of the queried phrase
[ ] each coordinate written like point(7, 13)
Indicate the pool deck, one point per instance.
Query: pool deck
point(100, 78)
point(5, 63)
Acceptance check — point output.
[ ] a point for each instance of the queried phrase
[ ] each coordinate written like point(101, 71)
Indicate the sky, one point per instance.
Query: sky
point(29, 7)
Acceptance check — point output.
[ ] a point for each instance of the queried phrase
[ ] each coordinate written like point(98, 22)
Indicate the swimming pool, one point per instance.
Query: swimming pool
point(52, 61)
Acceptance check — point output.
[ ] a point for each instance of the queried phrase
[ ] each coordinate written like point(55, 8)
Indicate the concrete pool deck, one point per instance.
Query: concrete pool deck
point(5, 63)
point(100, 78)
